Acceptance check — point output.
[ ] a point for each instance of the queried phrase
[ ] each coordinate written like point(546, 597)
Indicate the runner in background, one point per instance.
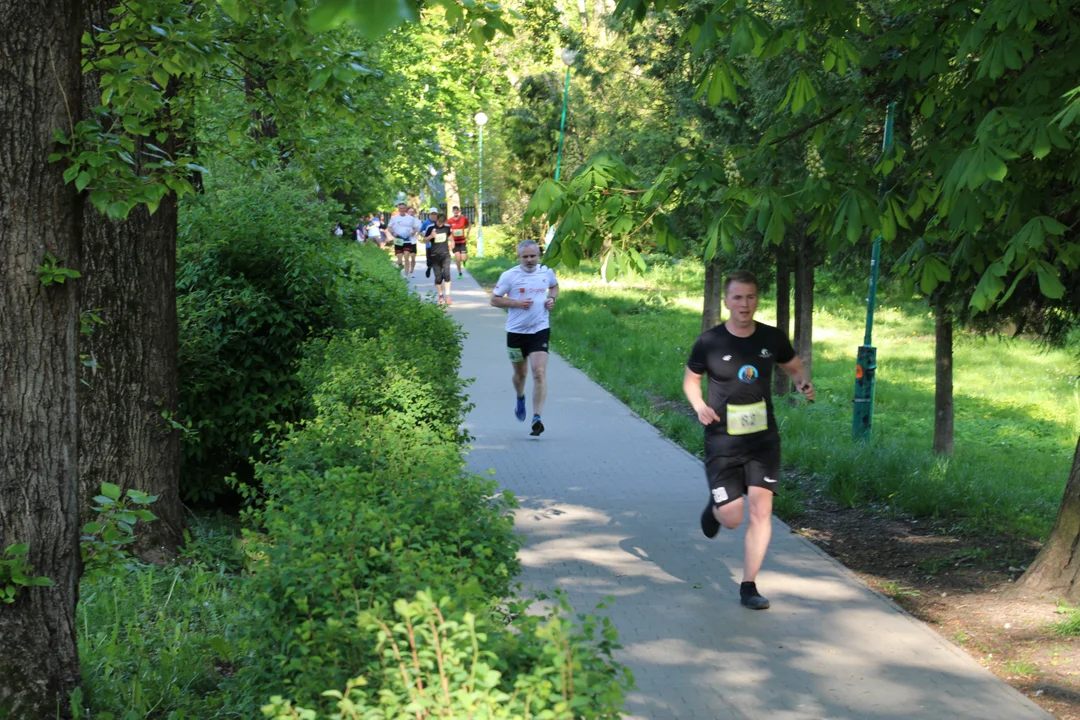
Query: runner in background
point(459, 225)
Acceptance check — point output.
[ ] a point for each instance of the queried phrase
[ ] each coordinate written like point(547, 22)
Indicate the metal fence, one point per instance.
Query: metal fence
point(492, 213)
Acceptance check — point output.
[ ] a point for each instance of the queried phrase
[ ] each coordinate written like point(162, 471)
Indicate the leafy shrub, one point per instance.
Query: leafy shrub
point(257, 277)
point(435, 662)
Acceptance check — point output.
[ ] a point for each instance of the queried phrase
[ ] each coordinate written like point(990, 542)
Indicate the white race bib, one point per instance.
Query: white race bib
point(747, 419)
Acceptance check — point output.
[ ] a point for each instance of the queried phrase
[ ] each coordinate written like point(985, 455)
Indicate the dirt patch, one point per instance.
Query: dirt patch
point(954, 582)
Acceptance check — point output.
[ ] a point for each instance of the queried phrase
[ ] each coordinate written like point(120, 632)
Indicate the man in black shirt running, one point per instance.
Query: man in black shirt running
point(742, 446)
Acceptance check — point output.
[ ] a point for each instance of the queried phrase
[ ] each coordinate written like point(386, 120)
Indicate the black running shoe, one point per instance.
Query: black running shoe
point(709, 524)
point(751, 598)
point(537, 426)
point(427, 273)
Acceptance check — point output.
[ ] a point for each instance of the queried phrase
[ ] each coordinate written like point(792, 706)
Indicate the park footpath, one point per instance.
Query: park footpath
point(609, 507)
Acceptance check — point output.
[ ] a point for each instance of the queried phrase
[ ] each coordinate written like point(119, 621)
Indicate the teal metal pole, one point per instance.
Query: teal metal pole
point(480, 202)
point(866, 359)
point(562, 123)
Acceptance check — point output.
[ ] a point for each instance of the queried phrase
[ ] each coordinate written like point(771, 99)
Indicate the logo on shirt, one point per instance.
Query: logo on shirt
point(765, 353)
point(727, 358)
point(748, 373)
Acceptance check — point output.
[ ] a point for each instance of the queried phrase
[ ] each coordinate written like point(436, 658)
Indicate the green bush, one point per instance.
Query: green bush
point(435, 662)
point(257, 276)
point(369, 502)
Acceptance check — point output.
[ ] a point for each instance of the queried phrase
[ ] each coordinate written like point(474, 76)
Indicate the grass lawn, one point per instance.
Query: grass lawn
point(1017, 405)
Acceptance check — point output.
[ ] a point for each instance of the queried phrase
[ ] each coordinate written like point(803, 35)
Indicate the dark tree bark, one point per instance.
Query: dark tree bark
point(39, 214)
point(943, 375)
point(264, 127)
point(781, 382)
point(714, 292)
point(804, 300)
point(130, 282)
point(1056, 571)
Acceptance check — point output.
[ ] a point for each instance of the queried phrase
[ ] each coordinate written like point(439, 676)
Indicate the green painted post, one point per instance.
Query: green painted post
point(562, 123)
point(866, 359)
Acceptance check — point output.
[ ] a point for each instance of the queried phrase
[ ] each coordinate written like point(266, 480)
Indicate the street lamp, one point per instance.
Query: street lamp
point(568, 57)
point(481, 120)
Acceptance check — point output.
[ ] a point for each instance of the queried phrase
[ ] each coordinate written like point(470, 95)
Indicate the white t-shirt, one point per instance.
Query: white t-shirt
point(517, 284)
point(403, 227)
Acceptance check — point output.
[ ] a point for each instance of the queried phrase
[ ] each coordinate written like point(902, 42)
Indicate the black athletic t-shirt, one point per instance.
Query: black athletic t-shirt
point(740, 375)
point(440, 237)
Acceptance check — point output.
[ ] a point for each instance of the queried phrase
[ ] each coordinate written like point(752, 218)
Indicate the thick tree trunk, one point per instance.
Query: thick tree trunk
point(714, 293)
point(453, 196)
point(781, 382)
point(943, 375)
point(804, 301)
point(129, 271)
point(1055, 573)
point(39, 215)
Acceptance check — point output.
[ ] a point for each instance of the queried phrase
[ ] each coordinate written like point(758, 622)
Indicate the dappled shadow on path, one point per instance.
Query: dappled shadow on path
point(829, 648)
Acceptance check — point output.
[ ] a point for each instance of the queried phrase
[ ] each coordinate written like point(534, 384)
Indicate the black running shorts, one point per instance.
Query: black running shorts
point(730, 475)
point(399, 249)
point(521, 345)
point(440, 268)
point(461, 248)
point(410, 247)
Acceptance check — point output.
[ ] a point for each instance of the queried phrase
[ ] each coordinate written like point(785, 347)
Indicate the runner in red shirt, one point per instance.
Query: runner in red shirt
point(459, 229)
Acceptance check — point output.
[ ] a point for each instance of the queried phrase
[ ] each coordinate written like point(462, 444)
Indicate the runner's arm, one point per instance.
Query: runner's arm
point(553, 292)
point(794, 369)
point(501, 301)
point(691, 385)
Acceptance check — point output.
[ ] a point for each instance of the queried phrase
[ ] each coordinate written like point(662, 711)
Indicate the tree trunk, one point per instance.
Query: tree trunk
point(804, 301)
point(129, 271)
point(781, 382)
point(1056, 571)
point(39, 215)
point(263, 126)
point(714, 292)
point(453, 197)
point(943, 375)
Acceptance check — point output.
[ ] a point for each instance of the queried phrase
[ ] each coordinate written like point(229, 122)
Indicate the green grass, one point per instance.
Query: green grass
point(1017, 405)
point(165, 641)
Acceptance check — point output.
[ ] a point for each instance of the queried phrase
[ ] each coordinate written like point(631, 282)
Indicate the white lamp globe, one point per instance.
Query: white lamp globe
point(481, 119)
point(568, 56)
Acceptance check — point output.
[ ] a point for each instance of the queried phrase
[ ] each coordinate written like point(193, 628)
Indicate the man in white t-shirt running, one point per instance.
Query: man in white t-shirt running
point(528, 292)
point(401, 228)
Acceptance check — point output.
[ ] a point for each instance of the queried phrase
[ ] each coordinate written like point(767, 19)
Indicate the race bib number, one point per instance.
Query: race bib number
point(747, 419)
point(515, 355)
point(459, 233)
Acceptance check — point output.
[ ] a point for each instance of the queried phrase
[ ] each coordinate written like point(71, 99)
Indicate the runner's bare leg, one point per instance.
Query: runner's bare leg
point(539, 373)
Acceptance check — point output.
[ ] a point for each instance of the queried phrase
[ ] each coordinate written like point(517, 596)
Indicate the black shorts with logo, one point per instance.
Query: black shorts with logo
point(521, 345)
point(729, 476)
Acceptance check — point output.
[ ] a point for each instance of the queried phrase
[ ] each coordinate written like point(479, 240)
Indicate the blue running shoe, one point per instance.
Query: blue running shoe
point(519, 411)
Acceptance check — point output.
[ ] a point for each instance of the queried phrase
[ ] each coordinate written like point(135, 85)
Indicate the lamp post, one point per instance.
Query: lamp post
point(481, 120)
point(568, 57)
point(866, 359)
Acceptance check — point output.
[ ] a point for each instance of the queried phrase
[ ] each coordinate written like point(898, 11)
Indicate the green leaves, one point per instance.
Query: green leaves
point(543, 199)
point(371, 18)
point(52, 271)
point(801, 93)
point(856, 211)
point(15, 572)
